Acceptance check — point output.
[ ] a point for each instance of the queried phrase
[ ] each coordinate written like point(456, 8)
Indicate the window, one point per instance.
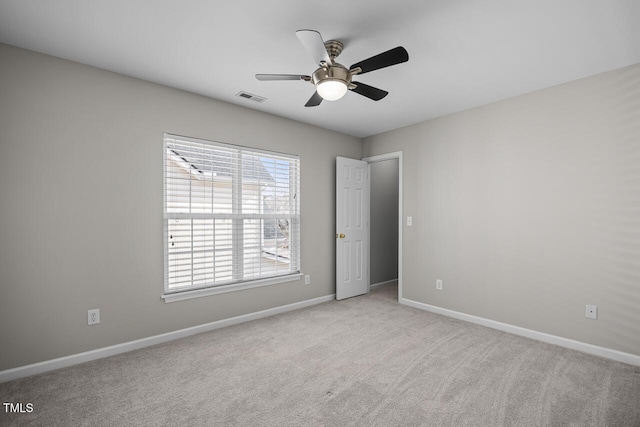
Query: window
point(231, 217)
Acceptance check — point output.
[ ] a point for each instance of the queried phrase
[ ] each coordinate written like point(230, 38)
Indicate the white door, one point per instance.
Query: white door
point(352, 223)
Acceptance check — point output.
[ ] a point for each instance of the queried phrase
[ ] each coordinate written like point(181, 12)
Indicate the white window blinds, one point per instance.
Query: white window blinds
point(231, 214)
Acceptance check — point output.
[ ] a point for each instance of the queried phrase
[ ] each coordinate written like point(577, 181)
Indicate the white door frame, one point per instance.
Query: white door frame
point(380, 158)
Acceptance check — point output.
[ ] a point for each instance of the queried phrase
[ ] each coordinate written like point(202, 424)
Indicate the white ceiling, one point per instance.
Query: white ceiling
point(462, 53)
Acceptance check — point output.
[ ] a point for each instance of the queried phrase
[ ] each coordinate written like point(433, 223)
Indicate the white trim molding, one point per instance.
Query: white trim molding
point(608, 353)
point(75, 359)
point(375, 285)
point(215, 290)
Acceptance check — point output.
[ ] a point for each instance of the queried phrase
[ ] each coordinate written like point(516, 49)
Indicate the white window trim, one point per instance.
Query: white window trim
point(205, 292)
point(185, 294)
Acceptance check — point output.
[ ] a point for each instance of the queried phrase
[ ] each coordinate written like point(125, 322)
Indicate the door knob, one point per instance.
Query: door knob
point(342, 236)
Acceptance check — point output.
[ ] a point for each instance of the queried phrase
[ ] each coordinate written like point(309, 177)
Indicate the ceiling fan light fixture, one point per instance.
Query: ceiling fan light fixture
point(333, 80)
point(332, 90)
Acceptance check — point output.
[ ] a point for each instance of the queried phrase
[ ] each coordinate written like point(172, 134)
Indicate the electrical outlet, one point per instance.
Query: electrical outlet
point(93, 316)
point(439, 284)
point(307, 279)
point(592, 312)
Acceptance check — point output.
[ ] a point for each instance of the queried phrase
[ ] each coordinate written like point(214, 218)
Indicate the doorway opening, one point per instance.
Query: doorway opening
point(385, 226)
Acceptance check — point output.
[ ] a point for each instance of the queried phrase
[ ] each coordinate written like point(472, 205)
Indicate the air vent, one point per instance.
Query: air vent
point(251, 96)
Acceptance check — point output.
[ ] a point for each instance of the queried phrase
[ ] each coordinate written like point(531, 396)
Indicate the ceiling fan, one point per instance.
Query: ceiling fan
point(333, 80)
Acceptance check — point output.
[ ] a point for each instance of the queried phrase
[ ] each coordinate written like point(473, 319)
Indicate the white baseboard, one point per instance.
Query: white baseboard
point(608, 353)
point(382, 283)
point(75, 359)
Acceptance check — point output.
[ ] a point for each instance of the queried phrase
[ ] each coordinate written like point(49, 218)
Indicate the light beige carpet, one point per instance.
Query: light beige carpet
point(363, 361)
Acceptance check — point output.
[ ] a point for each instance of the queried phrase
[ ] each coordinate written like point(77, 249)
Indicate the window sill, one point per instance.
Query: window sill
point(197, 293)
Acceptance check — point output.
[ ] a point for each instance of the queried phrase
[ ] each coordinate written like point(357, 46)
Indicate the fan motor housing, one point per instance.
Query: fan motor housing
point(334, 72)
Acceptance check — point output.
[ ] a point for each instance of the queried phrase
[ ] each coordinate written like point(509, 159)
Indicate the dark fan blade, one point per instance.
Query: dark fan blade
point(369, 91)
point(385, 59)
point(270, 77)
point(312, 41)
point(314, 101)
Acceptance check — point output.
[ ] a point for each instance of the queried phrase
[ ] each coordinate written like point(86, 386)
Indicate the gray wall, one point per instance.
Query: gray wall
point(384, 221)
point(81, 205)
point(529, 208)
